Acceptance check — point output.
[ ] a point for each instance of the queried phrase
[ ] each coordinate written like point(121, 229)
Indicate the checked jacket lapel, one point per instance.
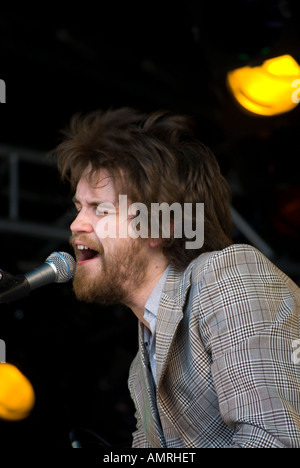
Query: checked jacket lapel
point(169, 316)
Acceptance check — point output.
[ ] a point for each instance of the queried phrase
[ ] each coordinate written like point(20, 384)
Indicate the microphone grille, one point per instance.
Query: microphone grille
point(64, 265)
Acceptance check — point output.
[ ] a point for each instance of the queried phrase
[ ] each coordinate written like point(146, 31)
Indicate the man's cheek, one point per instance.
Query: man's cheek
point(107, 227)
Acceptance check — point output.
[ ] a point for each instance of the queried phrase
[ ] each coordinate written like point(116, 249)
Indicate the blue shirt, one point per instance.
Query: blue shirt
point(150, 315)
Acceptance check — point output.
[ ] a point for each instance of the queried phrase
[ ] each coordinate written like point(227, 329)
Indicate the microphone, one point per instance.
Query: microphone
point(59, 267)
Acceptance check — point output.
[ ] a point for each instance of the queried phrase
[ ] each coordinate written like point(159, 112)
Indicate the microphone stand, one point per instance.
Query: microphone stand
point(16, 282)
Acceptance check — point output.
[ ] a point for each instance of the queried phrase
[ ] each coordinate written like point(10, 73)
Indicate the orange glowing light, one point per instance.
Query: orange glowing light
point(270, 89)
point(17, 396)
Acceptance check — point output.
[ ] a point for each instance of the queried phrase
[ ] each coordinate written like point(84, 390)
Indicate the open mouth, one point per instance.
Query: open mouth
point(84, 253)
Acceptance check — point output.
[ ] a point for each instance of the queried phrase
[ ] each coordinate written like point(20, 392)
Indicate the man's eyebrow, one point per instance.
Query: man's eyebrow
point(91, 202)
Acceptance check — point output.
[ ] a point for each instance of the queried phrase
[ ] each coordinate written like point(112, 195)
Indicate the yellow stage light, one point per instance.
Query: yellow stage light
point(17, 396)
point(270, 89)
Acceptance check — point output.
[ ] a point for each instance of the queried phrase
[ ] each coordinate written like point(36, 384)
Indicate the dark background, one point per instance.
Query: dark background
point(155, 55)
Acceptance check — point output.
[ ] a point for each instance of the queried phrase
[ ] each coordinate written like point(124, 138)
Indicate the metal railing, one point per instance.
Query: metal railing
point(12, 223)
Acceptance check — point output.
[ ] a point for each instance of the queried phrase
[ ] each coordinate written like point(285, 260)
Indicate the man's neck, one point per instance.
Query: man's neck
point(140, 296)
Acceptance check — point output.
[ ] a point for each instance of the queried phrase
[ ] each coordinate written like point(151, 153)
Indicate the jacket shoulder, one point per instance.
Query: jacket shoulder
point(237, 260)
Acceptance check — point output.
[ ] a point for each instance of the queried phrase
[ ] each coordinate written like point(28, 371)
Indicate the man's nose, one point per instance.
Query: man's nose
point(82, 222)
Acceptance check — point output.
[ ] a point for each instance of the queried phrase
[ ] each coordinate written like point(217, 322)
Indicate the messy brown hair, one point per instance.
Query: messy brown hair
point(155, 158)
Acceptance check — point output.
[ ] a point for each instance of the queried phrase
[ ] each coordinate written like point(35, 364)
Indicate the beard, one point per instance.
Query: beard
point(114, 276)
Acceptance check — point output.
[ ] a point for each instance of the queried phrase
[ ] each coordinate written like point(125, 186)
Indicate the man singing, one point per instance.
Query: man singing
point(217, 320)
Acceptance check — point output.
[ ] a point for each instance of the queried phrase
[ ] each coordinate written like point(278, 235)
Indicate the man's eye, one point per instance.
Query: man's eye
point(105, 209)
point(101, 212)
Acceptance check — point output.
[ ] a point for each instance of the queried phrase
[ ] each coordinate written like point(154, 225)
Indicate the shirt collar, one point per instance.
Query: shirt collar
point(152, 304)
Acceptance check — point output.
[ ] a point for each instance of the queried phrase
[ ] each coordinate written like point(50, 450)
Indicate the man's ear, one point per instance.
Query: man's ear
point(157, 242)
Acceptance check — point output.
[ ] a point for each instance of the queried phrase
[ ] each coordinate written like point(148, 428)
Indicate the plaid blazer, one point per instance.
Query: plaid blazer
point(226, 376)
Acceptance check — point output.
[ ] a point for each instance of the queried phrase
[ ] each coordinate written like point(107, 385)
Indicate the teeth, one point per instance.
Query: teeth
point(82, 247)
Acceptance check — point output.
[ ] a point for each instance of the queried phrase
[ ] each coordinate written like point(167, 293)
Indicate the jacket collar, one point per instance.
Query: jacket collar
point(170, 314)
